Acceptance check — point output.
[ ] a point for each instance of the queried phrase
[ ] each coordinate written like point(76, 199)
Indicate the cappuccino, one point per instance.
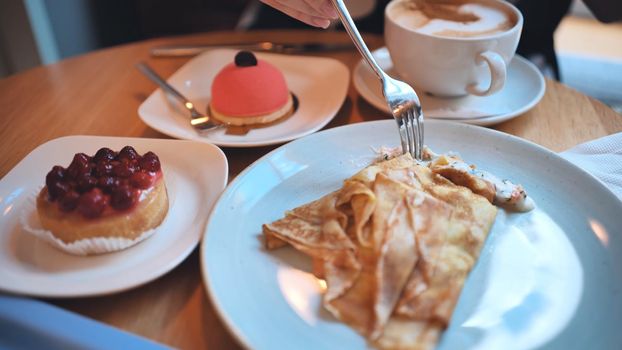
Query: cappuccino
point(452, 47)
point(456, 19)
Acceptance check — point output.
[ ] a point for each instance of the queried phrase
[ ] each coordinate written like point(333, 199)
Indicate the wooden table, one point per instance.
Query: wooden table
point(99, 94)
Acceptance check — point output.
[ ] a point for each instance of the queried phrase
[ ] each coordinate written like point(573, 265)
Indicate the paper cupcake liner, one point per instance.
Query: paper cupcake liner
point(88, 246)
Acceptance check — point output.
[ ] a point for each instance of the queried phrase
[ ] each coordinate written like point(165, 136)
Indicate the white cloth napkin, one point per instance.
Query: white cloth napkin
point(602, 158)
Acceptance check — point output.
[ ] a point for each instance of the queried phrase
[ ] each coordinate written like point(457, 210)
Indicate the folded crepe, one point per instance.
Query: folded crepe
point(394, 245)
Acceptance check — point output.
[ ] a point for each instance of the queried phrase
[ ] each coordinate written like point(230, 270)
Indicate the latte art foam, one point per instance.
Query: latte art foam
point(489, 20)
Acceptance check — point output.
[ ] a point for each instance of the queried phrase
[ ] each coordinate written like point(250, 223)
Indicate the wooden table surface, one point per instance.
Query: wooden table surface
point(99, 94)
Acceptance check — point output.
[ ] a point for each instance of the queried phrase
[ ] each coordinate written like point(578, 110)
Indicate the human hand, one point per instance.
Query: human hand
point(317, 13)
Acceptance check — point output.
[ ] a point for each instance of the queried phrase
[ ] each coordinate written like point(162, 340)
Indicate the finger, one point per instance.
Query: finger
point(294, 7)
point(325, 7)
point(302, 6)
point(315, 21)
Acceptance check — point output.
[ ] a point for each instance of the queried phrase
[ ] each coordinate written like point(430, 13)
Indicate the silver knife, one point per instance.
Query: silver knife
point(266, 46)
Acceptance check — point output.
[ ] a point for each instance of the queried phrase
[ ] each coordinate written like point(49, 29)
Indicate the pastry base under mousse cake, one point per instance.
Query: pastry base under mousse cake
point(267, 118)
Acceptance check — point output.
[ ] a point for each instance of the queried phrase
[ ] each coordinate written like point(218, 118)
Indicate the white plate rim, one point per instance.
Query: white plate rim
point(157, 93)
point(371, 98)
point(228, 319)
point(223, 167)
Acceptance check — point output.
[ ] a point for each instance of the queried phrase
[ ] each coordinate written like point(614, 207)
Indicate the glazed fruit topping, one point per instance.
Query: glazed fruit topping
point(150, 162)
point(69, 201)
point(123, 197)
point(58, 189)
point(141, 180)
point(128, 152)
point(104, 154)
point(79, 165)
point(103, 168)
point(123, 169)
point(57, 174)
point(92, 203)
point(85, 182)
point(245, 59)
point(107, 179)
point(107, 183)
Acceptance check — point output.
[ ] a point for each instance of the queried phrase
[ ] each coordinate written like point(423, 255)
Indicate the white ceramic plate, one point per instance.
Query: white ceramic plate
point(523, 89)
point(195, 174)
point(320, 84)
point(549, 278)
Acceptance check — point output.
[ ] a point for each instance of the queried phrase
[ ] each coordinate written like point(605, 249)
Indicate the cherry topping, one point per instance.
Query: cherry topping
point(57, 189)
point(141, 180)
point(79, 165)
point(127, 152)
point(123, 197)
point(150, 162)
point(123, 169)
point(56, 174)
point(85, 182)
point(69, 201)
point(92, 204)
point(107, 183)
point(104, 153)
point(92, 167)
point(103, 168)
point(89, 184)
point(245, 59)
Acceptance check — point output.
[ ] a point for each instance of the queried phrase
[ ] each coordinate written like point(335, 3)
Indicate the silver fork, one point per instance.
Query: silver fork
point(201, 122)
point(402, 100)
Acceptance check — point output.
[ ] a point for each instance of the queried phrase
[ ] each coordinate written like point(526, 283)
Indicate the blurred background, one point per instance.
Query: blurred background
point(35, 32)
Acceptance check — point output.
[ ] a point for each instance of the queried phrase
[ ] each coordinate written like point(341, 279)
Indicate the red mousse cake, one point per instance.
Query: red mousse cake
point(250, 91)
point(108, 195)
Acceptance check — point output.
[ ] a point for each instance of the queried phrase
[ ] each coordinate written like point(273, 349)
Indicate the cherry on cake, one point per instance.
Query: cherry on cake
point(108, 195)
point(250, 91)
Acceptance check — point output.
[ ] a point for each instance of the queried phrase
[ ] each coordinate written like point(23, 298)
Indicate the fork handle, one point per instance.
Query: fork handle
point(348, 23)
point(153, 76)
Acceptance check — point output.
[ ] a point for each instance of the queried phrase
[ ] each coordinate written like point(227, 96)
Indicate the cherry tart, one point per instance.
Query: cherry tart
point(110, 194)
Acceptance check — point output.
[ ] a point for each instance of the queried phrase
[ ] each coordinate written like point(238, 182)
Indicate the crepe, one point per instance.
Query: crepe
point(394, 245)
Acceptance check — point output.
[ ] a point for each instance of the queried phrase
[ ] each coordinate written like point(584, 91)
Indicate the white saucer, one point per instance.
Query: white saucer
point(195, 175)
point(523, 88)
point(319, 83)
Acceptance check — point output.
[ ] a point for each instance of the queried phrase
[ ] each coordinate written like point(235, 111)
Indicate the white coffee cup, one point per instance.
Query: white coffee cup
point(451, 65)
